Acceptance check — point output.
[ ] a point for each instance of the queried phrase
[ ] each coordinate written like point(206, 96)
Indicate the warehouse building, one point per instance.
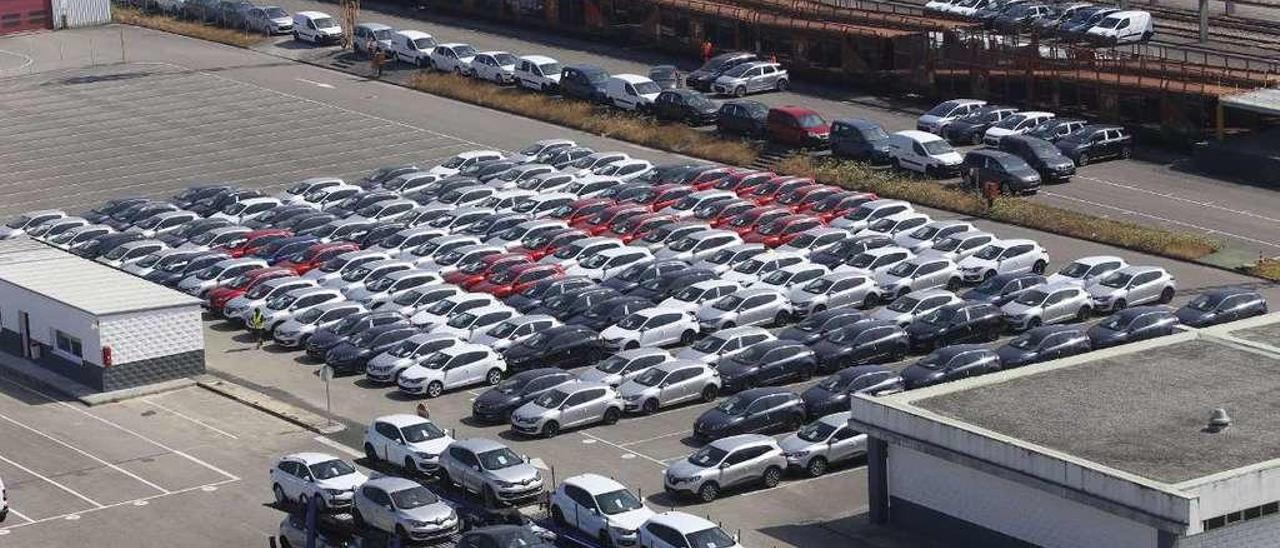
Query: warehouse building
point(1173, 442)
point(29, 15)
point(98, 326)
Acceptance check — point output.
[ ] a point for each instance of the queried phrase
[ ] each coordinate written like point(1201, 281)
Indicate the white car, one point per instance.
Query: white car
point(355, 276)
point(835, 290)
point(862, 216)
point(199, 283)
point(631, 91)
point(726, 259)
point(329, 480)
point(538, 73)
point(234, 309)
point(959, 246)
point(297, 192)
point(1132, 285)
point(48, 229)
point(531, 152)
point(457, 366)
point(462, 161)
point(513, 330)
point(511, 178)
point(446, 262)
point(404, 508)
point(924, 237)
point(452, 57)
point(131, 252)
point(401, 242)
point(409, 441)
point(919, 274)
point(691, 298)
point(425, 254)
point(295, 332)
point(625, 170)
point(700, 245)
point(407, 303)
point(609, 262)
point(925, 153)
point(334, 268)
point(148, 264)
point(382, 284)
point(624, 366)
point(440, 312)
point(495, 66)
point(586, 164)
point(788, 277)
point(670, 383)
point(814, 239)
point(1017, 124)
point(385, 368)
point(156, 225)
point(513, 236)
point(574, 253)
point(946, 112)
point(1004, 257)
point(1087, 269)
point(315, 27)
point(20, 224)
point(247, 209)
point(413, 47)
point(600, 508)
point(907, 308)
point(756, 268)
point(680, 530)
point(330, 196)
point(285, 307)
point(471, 324)
point(1047, 305)
point(656, 326)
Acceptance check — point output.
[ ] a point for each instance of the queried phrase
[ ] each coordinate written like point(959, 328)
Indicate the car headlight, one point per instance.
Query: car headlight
point(425, 455)
point(796, 454)
point(416, 523)
point(621, 531)
point(335, 492)
point(504, 483)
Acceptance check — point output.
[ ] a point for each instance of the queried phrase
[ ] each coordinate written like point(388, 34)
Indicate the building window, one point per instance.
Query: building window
point(68, 344)
point(1241, 515)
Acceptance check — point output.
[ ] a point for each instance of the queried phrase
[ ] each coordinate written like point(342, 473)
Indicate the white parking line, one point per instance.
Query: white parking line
point(339, 446)
point(85, 453)
point(655, 438)
point(208, 487)
point(52, 482)
point(1172, 197)
point(191, 419)
point(15, 512)
point(659, 462)
point(1162, 219)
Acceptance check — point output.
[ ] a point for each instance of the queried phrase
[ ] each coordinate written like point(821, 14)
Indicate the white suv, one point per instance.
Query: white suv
point(406, 440)
point(405, 508)
point(601, 508)
point(301, 477)
point(724, 463)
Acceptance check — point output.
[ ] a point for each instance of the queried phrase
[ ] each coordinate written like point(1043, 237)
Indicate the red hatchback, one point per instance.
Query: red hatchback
point(838, 204)
point(767, 192)
point(637, 226)
point(801, 198)
point(744, 223)
point(743, 181)
point(316, 255)
point(663, 196)
point(548, 242)
point(479, 271)
point(255, 240)
point(781, 230)
point(600, 222)
point(517, 278)
point(219, 296)
point(797, 126)
point(582, 209)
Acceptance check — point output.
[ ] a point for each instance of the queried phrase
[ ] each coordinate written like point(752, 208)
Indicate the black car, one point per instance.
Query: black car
point(307, 221)
point(1218, 306)
point(192, 229)
point(860, 344)
point(100, 214)
point(532, 297)
point(987, 15)
point(496, 536)
point(196, 193)
point(770, 362)
point(971, 129)
point(375, 234)
point(326, 338)
point(1002, 288)
point(1044, 343)
point(488, 171)
point(98, 247)
point(570, 304)
point(430, 191)
point(1095, 142)
point(1021, 17)
point(844, 250)
point(952, 363)
point(1131, 325)
point(859, 139)
point(1055, 129)
point(702, 78)
point(819, 324)
point(383, 175)
point(221, 200)
point(666, 76)
point(1012, 173)
point(356, 202)
point(742, 117)
point(626, 192)
point(495, 405)
point(1042, 156)
point(685, 105)
point(723, 208)
point(170, 272)
point(351, 355)
point(956, 323)
point(495, 224)
point(279, 215)
point(634, 275)
point(832, 394)
point(607, 313)
point(563, 346)
point(758, 410)
point(667, 284)
point(278, 250)
point(584, 82)
point(127, 217)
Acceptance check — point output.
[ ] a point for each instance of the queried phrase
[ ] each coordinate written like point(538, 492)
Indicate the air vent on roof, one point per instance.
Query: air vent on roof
point(1218, 421)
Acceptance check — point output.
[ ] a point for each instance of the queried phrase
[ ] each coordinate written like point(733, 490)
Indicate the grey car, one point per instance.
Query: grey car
point(295, 332)
point(490, 469)
point(907, 308)
point(822, 443)
point(835, 290)
point(728, 462)
point(752, 77)
point(1047, 305)
point(1132, 285)
point(624, 366)
point(671, 383)
point(404, 508)
point(511, 331)
point(746, 307)
point(567, 406)
point(386, 367)
point(725, 344)
point(725, 259)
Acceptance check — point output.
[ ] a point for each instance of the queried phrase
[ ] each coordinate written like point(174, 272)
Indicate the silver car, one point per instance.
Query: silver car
point(386, 367)
point(919, 274)
point(788, 277)
point(387, 288)
point(1087, 269)
point(725, 344)
point(1047, 305)
point(425, 255)
point(199, 283)
point(282, 308)
point(295, 332)
point(756, 268)
point(907, 308)
point(624, 366)
point(700, 245)
point(261, 293)
point(670, 383)
point(875, 261)
point(404, 508)
point(724, 463)
point(752, 77)
point(746, 307)
point(491, 470)
point(1132, 285)
point(814, 239)
point(511, 331)
point(409, 302)
point(334, 268)
point(693, 297)
point(439, 313)
point(958, 247)
point(725, 259)
point(822, 443)
point(567, 406)
point(927, 236)
point(835, 290)
point(355, 278)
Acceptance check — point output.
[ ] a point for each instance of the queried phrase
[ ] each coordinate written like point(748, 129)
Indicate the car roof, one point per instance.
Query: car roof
point(935, 292)
point(310, 457)
point(1095, 259)
point(794, 110)
point(594, 483)
point(757, 393)
point(1138, 269)
point(374, 26)
point(741, 331)
point(413, 34)
point(478, 445)
point(632, 78)
point(884, 250)
point(312, 14)
point(538, 60)
point(836, 419)
point(733, 442)
point(682, 522)
point(1046, 330)
point(392, 483)
point(917, 135)
point(401, 420)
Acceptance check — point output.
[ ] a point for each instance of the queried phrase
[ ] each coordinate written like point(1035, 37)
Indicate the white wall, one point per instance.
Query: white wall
point(1016, 510)
point(152, 334)
point(44, 316)
point(81, 13)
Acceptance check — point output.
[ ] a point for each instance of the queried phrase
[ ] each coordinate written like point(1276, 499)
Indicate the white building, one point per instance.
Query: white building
point(1109, 448)
point(96, 325)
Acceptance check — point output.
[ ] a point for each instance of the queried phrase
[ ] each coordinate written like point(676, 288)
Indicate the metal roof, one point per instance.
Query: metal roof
point(1264, 101)
point(79, 283)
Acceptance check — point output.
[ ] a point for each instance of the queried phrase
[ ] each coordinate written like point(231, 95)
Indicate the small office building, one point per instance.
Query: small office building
point(100, 327)
point(1120, 447)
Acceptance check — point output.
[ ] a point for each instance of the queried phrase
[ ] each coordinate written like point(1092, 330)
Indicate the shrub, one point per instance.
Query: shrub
point(132, 16)
point(1268, 268)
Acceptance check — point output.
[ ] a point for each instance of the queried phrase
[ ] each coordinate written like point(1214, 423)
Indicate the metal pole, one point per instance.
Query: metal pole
point(1204, 21)
point(122, 57)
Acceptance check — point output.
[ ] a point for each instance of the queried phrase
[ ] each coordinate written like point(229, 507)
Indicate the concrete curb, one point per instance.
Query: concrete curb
point(269, 405)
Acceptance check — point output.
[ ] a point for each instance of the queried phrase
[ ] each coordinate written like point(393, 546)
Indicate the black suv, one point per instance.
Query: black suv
point(1012, 173)
point(1092, 143)
point(685, 105)
point(1042, 156)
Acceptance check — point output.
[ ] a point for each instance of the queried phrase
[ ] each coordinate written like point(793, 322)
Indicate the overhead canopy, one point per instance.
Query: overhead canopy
point(1262, 101)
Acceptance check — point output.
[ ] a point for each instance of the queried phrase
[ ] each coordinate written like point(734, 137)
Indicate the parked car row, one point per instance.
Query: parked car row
point(1067, 21)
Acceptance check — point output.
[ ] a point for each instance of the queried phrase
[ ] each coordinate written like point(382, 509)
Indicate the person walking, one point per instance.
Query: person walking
point(379, 59)
point(707, 49)
point(258, 324)
point(990, 191)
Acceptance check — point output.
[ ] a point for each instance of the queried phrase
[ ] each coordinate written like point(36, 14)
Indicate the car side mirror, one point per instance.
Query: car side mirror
point(723, 465)
point(475, 467)
point(400, 441)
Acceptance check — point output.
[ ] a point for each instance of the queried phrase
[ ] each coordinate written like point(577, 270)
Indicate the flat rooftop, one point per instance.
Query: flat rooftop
point(1141, 412)
point(1264, 334)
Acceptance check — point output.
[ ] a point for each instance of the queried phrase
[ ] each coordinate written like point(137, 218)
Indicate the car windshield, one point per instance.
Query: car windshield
point(728, 303)
point(595, 261)
point(903, 269)
point(539, 340)
point(836, 383)
point(904, 304)
point(632, 321)
point(1204, 303)
point(356, 274)
point(203, 238)
point(689, 294)
point(423, 431)
point(331, 469)
point(276, 13)
point(932, 362)
point(1117, 280)
point(505, 59)
point(722, 257)
point(569, 251)
point(464, 51)
point(818, 286)
point(259, 292)
point(462, 321)
point(685, 244)
point(651, 377)
point(778, 277)
point(1025, 342)
point(1110, 23)
point(941, 316)
point(990, 252)
point(282, 302)
point(937, 147)
point(499, 459)
point(709, 345)
point(210, 273)
point(738, 71)
point(552, 399)
point(734, 406)
point(310, 317)
point(413, 497)
point(1074, 270)
point(843, 335)
point(1116, 323)
point(149, 260)
point(503, 330)
point(1010, 122)
point(752, 354)
point(648, 88)
point(816, 431)
point(403, 350)
point(942, 109)
point(324, 23)
point(1034, 297)
point(381, 284)
point(617, 502)
point(442, 307)
point(708, 456)
point(861, 260)
point(813, 120)
point(749, 266)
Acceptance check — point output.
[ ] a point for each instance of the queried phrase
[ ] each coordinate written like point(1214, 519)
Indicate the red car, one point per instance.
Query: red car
point(316, 255)
point(637, 226)
point(476, 272)
point(517, 278)
point(719, 212)
point(744, 223)
point(781, 230)
point(708, 179)
point(797, 126)
point(548, 242)
point(766, 193)
point(663, 196)
point(255, 240)
point(743, 181)
point(219, 296)
point(838, 204)
point(582, 209)
point(599, 223)
point(802, 197)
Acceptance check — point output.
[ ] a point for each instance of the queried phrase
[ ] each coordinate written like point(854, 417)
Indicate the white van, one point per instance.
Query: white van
point(413, 47)
point(1123, 27)
point(316, 27)
point(1017, 124)
point(946, 112)
point(631, 91)
point(538, 72)
point(924, 153)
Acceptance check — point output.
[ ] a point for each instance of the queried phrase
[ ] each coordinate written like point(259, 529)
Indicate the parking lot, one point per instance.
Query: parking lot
point(75, 137)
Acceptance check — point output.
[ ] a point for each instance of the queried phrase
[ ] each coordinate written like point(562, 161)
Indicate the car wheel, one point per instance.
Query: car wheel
point(631, 345)
point(434, 390)
point(604, 539)
point(708, 492)
point(493, 377)
point(1083, 313)
point(782, 85)
point(557, 517)
point(740, 91)
point(402, 535)
point(443, 476)
point(728, 325)
point(772, 476)
point(296, 38)
point(1120, 304)
point(357, 519)
point(709, 393)
point(930, 172)
point(897, 164)
point(457, 70)
point(953, 284)
point(988, 275)
point(1083, 160)
point(408, 466)
point(819, 308)
point(687, 337)
point(870, 301)
point(1166, 295)
point(550, 429)
point(369, 454)
point(284, 543)
point(782, 318)
point(993, 334)
point(1039, 267)
point(816, 467)
point(281, 500)
point(1033, 323)
point(649, 407)
point(611, 415)
point(805, 374)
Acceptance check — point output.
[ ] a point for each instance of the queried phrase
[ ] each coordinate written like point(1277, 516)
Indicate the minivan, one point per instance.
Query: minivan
point(797, 126)
point(586, 82)
point(859, 139)
point(923, 152)
point(315, 27)
point(1123, 27)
